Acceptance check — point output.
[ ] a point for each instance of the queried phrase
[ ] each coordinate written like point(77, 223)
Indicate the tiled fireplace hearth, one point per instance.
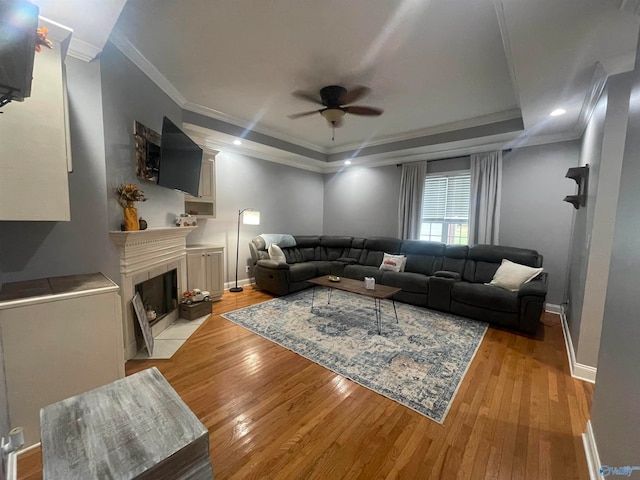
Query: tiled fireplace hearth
point(146, 254)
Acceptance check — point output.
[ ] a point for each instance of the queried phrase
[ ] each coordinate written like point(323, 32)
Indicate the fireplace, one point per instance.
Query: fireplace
point(144, 255)
point(159, 295)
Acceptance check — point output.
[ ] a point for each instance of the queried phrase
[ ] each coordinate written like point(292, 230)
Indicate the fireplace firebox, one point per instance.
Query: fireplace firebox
point(159, 295)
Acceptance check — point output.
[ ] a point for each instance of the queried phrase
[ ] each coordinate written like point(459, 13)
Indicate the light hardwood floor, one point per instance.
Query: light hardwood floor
point(273, 414)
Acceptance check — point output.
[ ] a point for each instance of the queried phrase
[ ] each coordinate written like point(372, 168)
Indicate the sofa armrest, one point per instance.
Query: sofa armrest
point(448, 274)
point(536, 287)
point(273, 265)
point(347, 260)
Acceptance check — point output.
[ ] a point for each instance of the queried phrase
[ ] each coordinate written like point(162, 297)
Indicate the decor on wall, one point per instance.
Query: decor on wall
point(251, 217)
point(147, 152)
point(129, 193)
point(581, 176)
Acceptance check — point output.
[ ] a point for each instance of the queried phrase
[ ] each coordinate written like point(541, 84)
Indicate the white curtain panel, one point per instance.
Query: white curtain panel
point(486, 190)
point(410, 204)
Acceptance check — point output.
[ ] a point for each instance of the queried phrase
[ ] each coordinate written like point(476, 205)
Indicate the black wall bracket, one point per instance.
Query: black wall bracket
point(581, 176)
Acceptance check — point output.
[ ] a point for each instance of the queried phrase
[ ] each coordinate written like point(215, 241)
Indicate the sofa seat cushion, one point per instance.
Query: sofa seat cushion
point(407, 281)
point(358, 272)
point(299, 272)
point(485, 296)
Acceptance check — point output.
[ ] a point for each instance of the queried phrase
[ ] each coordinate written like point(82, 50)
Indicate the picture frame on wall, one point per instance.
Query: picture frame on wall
point(147, 145)
point(138, 307)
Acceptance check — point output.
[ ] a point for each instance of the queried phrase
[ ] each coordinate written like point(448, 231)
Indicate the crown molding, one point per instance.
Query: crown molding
point(506, 46)
point(222, 142)
point(133, 54)
point(83, 50)
point(596, 87)
point(238, 122)
point(426, 132)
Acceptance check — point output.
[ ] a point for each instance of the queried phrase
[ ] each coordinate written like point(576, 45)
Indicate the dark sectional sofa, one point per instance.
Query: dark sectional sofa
point(449, 278)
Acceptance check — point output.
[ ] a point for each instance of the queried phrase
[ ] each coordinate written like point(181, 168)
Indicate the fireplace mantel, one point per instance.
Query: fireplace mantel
point(143, 255)
point(149, 235)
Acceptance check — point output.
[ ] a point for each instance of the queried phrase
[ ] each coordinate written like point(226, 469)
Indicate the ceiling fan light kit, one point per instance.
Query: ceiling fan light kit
point(332, 115)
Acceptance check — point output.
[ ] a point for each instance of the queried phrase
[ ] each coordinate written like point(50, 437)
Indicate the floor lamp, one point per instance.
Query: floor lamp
point(250, 217)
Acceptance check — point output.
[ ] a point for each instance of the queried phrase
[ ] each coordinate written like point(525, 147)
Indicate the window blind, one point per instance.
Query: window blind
point(446, 197)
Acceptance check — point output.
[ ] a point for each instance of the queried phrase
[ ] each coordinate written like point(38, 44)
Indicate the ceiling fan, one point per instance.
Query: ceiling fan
point(335, 100)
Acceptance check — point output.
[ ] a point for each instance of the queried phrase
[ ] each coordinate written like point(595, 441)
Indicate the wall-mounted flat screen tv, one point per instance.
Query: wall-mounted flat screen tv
point(180, 160)
point(18, 25)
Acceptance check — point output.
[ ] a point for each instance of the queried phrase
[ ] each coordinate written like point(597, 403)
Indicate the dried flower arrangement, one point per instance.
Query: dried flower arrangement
point(129, 193)
point(42, 40)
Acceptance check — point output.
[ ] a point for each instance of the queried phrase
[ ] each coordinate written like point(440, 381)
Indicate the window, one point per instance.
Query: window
point(445, 208)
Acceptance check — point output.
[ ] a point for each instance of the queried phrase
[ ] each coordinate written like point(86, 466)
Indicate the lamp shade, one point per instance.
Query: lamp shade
point(251, 217)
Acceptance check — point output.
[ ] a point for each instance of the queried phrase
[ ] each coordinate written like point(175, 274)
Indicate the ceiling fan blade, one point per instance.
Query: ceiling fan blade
point(303, 114)
point(354, 94)
point(368, 111)
point(307, 96)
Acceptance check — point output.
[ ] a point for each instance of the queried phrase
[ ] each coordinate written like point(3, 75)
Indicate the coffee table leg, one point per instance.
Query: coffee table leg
point(329, 296)
point(376, 302)
point(313, 297)
point(394, 309)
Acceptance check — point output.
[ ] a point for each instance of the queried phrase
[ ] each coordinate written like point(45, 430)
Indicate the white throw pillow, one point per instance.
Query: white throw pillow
point(276, 253)
point(512, 276)
point(395, 263)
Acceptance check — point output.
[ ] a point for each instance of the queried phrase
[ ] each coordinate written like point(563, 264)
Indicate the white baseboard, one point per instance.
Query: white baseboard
point(591, 452)
point(241, 283)
point(553, 308)
point(578, 370)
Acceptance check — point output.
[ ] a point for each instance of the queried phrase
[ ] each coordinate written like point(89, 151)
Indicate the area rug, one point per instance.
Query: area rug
point(419, 361)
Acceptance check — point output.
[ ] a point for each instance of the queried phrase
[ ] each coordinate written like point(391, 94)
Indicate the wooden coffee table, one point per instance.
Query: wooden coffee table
point(380, 292)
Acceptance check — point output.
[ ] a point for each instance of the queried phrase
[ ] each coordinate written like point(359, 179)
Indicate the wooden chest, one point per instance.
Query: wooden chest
point(195, 310)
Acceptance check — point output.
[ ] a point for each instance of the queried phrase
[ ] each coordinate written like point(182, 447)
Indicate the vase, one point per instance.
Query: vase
point(131, 218)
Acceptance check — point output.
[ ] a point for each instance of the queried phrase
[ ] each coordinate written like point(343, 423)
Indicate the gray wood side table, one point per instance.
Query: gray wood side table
point(134, 428)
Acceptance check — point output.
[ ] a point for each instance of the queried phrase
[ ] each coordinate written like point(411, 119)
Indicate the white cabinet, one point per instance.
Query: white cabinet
point(204, 204)
point(205, 269)
point(35, 151)
point(61, 336)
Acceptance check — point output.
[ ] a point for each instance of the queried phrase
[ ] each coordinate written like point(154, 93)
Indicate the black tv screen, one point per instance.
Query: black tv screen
point(18, 33)
point(180, 160)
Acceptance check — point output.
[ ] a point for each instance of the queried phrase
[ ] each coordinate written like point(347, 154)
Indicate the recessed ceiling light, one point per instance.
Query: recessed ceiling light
point(237, 142)
point(557, 112)
point(347, 162)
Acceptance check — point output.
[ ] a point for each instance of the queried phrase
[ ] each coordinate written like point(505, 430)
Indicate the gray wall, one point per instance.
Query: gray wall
point(362, 202)
point(31, 250)
point(592, 238)
point(614, 414)
point(289, 200)
point(532, 213)
point(129, 95)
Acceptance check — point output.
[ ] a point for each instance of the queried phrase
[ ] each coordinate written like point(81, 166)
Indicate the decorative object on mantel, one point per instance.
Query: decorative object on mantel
point(42, 39)
point(129, 193)
point(251, 217)
point(142, 223)
point(186, 220)
point(581, 176)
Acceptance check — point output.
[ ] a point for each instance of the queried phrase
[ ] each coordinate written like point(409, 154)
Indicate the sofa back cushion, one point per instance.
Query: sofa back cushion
point(483, 261)
point(334, 247)
point(307, 249)
point(422, 256)
point(455, 258)
point(375, 248)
